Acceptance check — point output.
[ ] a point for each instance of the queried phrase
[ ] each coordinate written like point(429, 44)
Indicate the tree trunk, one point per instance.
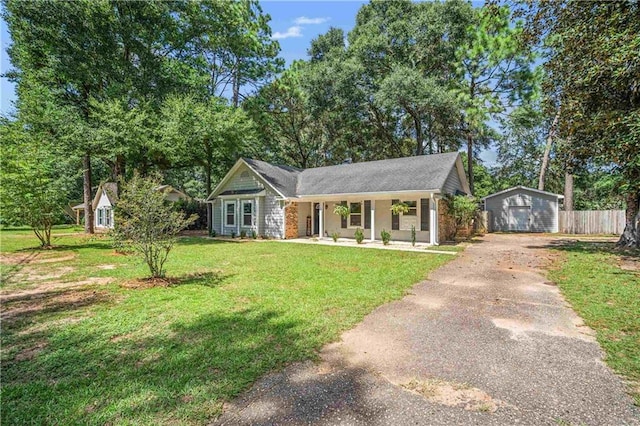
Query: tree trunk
point(470, 160)
point(568, 191)
point(547, 150)
point(631, 235)
point(86, 185)
point(119, 170)
point(419, 138)
point(236, 85)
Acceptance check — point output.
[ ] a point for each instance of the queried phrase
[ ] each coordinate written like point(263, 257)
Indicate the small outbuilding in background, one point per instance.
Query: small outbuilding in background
point(522, 209)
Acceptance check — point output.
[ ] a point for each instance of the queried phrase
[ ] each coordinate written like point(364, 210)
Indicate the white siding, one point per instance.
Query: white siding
point(272, 214)
point(543, 210)
point(103, 203)
point(244, 178)
point(452, 184)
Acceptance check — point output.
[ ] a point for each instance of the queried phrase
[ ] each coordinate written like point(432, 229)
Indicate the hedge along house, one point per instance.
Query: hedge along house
point(106, 198)
point(522, 209)
point(286, 202)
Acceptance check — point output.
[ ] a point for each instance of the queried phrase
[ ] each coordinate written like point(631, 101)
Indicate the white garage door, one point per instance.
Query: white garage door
point(519, 218)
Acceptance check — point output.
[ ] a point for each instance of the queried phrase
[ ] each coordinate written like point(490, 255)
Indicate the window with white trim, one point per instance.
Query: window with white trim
point(230, 213)
point(247, 213)
point(100, 217)
point(355, 214)
point(410, 218)
point(107, 216)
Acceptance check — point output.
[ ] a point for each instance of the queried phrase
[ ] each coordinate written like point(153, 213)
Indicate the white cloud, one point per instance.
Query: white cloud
point(303, 20)
point(295, 31)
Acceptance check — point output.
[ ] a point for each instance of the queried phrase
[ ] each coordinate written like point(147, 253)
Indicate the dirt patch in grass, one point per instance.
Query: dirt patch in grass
point(35, 257)
point(46, 289)
point(209, 279)
point(455, 395)
point(31, 352)
point(28, 305)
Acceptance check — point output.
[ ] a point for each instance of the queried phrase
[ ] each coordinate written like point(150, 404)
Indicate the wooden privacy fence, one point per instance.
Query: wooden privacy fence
point(592, 222)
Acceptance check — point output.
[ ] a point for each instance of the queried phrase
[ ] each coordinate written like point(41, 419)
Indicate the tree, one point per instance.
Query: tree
point(494, 69)
point(34, 185)
point(146, 223)
point(592, 68)
point(282, 111)
point(209, 134)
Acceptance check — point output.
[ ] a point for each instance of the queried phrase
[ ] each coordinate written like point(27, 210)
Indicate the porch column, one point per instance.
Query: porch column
point(238, 215)
point(373, 220)
point(433, 219)
point(321, 220)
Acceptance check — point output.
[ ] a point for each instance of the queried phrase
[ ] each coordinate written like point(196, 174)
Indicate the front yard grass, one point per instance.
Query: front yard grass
point(114, 350)
point(603, 286)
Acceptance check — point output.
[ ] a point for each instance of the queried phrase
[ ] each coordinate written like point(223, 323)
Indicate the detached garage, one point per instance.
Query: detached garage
point(522, 209)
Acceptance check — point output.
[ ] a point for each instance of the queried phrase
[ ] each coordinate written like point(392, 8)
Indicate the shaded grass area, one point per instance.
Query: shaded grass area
point(603, 286)
point(121, 353)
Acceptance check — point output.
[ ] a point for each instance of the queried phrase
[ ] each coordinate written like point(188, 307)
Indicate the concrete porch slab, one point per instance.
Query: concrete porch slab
point(393, 245)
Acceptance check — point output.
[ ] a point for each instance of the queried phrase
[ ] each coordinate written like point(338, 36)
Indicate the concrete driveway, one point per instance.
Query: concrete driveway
point(486, 340)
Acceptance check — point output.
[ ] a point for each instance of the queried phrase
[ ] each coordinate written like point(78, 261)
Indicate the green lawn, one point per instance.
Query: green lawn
point(111, 352)
point(607, 297)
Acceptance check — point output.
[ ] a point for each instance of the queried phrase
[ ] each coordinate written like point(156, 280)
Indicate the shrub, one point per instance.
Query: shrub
point(233, 234)
point(254, 234)
point(413, 235)
point(335, 237)
point(463, 209)
point(191, 207)
point(385, 236)
point(243, 234)
point(359, 235)
point(146, 224)
point(213, 233)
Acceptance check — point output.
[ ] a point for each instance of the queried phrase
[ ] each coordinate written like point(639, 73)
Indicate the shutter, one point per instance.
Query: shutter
point(395, 218)
point(343, 220)
point(367, 214)
point(424, 214)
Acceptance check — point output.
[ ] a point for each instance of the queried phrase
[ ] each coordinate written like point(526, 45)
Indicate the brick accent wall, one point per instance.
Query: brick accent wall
point(291, 221)
point(446, 225)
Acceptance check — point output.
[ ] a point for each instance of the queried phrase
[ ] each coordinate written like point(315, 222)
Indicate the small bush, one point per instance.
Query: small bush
point(359, 235)
point(413, 235)
point(335, 237)
point(385, 236)
point(146, 224)
point(213, 233)
point(233, 234)
point(254, 234)
point(243, 234)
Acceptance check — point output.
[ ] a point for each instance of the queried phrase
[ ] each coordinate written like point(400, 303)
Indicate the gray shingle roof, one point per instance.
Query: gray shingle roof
point(282, 178)
point(420, 173)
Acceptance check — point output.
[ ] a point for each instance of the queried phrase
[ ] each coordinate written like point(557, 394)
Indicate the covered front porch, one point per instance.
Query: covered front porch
point(372, 214)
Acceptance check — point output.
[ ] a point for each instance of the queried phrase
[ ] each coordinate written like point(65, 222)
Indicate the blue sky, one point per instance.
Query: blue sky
point(294, 24)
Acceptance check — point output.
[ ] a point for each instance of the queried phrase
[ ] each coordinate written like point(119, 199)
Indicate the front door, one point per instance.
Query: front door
point(316, 218)
point(519, 218)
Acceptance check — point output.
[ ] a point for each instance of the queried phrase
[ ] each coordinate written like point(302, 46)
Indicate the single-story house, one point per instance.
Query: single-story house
point(285, 202)
point(523, 209)
point(106, 198)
